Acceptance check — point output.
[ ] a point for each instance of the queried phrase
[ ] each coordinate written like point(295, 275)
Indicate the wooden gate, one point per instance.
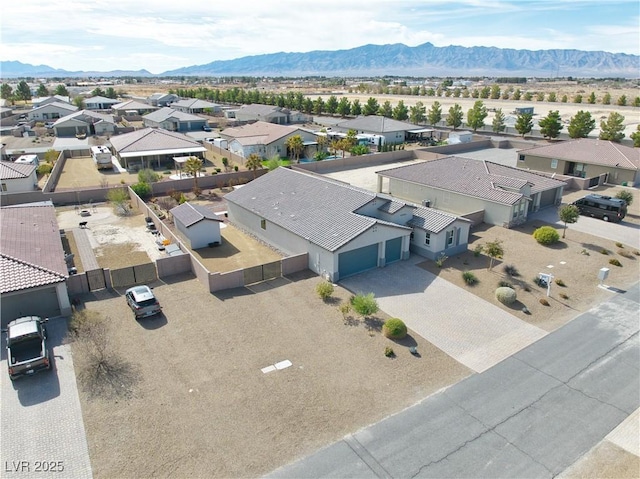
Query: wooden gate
point(95, 279)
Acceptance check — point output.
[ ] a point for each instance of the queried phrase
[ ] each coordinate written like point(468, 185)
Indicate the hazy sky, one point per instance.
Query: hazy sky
point(161, 35)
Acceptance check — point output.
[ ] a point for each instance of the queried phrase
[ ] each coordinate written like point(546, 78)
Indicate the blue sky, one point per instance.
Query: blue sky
point(161, 35)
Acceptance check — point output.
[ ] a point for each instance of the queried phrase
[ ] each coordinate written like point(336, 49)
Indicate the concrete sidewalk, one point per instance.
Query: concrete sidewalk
point(85, 250)
point(472, 331)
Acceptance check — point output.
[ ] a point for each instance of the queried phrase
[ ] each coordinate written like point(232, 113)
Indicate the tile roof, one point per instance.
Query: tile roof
point(166, 113)
point(133, 105)
point(193, 103)
point(12, 171)
point(101, 99)
point(189, 214)
point(317, 209)
point(391, 206)
point(260, 132)
point(432, 220)
point(151, 139)
point(57, 104)
point(479, 179)
point(87, 116)
point(585, 150)
point(261, 110)
point(376, 124)
point(30, 245)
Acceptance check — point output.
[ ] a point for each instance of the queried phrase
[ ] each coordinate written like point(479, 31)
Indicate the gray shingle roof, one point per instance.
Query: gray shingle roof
point(318, 209)
point(151, 139)
point(376, 124)
point(12, 171)
point(596, 152)
point(167, 112)
point(479, 179)
point(30, 246)
point(189, 214)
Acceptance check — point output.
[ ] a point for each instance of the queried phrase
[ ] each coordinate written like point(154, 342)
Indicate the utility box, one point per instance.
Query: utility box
point(603, 274)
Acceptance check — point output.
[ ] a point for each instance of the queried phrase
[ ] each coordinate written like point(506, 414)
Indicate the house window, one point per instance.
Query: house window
point(411, 236)
point(4, 187)
point(520, 157)
point(554, 164)
point(263, 224)
point(427, 239)
point(450, 235)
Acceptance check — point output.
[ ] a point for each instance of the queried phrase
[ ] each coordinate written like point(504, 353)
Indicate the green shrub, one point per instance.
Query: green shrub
point(394, 328)
point(546, 235)
point(147, 175)
point(511, 270)
point(388, 352)
point(477, 251)
point(559, 282)
point(183, 198)
point(604, 251)
point(324, 290)
point(619, 245)
point(506, 295)
point(143, 190)
point(235, 168)
point(469, 278)
point(564, 296)
point(166, 172)
point(626, 196)
point(504, 284)
point(543, 302)
point(364, 304)
point(44, 168)
point(441, 259)
point(615, 262)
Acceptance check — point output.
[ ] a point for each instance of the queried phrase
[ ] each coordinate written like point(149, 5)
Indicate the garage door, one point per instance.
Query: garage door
point(393, 250)
point(357, 260)
point(42, 302)
point(547, 198)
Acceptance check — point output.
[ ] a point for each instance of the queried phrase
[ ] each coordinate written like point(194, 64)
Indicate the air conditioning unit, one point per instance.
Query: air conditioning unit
point(426, 203)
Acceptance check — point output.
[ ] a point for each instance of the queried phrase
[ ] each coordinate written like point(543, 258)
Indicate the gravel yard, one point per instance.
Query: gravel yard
point(199, 405)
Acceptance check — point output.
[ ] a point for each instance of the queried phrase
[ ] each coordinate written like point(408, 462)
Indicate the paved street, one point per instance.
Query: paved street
point(42, 429)
point(532, 415)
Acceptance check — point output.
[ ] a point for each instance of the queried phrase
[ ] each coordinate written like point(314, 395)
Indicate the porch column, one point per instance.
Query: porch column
point(405, 247)
point(379, 188)
point(381, 254)
point(63, 299)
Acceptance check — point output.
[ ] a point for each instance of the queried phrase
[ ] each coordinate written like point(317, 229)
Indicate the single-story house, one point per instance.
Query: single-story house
point(132, 107)
point(51, 111)
point(266, 113)
point(17, 177)
point(463, 186)
point(33, 271)
point(173, 120)
point(344, 230)
point(266, 139)
point(162, 99)
point(153, 147)
point(6, 112)
point(44, 100)
point(601, 161)
point(100, 103)
point(393, 131)
point(85, 122)
point(194, 105)
point(197, 224)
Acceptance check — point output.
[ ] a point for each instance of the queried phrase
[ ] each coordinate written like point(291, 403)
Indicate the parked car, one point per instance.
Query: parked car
point(604, 207)
point(142, 301)
point(27, 351)
point(206, 127)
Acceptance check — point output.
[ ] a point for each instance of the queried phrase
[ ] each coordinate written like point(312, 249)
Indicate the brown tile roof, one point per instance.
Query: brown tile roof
point(31, 248)
point(596, 152)
point(12, 171)
point(479, 179)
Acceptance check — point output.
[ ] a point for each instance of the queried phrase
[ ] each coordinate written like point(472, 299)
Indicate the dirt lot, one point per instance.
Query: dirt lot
point(196, 404)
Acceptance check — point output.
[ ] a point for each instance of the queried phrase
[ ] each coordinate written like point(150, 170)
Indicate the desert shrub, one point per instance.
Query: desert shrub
point(82, 321)
point(504, 284)
point(636, 252)
point(147, 175)
point(394, 328)
point(525, 287)
point(625, 254)
point(615, 262)
point(469, 278)
point(511, 270)
point(143, 190)
point(559, 282)
point(44, 168)
point(585, 252)
point(564, 296)
point(388, 352)
point(218, 170)
point(324, 290)
point(506, 295)
point(546, 235)
point(441, 259)
point(235, 168)
point(604, 251)
point(364, 304)
point(626, 196)
point(196, 190)
point(619, 245)
point(477, 251)
point(543, 302)
point(345, 309)
point(182, 199)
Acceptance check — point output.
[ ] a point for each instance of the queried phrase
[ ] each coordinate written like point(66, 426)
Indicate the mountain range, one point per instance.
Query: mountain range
point(424, 60)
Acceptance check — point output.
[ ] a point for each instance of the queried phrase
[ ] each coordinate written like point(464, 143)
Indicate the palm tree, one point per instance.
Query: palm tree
point(192, 167)
point(253, 162)
point(295, 145)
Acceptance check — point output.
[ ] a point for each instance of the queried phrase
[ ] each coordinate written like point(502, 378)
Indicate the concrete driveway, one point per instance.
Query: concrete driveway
point(624, 232)
point(475, 332)
point(42, 428)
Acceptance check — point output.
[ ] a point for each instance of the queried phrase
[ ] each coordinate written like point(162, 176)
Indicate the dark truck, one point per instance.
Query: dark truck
point(27, 351)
